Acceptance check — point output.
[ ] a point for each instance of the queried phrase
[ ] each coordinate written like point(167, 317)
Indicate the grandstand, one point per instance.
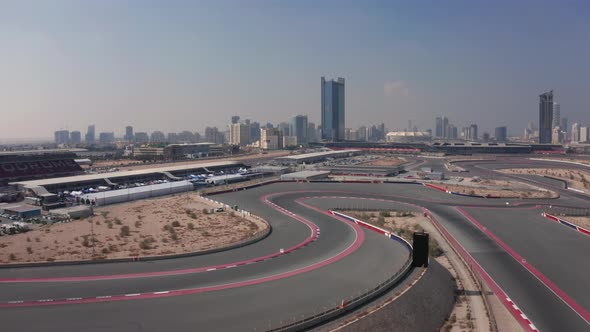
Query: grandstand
point(37, 164)
point(122, 179)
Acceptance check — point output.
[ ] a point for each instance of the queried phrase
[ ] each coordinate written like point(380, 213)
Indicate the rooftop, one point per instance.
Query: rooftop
point(317, 154)
point(94, 177)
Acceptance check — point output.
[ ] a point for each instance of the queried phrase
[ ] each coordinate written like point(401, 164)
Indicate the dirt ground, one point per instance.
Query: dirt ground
point(385, 161)
point(161, 226)
point(497, 188)
point(575, 178)
point(469, 313)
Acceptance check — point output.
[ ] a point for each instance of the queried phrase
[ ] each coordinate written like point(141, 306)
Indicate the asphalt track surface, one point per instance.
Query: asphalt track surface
point(257, 306)
point(546, 247)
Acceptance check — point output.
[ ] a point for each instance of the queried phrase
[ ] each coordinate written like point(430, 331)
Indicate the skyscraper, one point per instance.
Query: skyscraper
point(556, 116)
point(62, 137)
point(90, 135)
point(239, 134)
point(501, 134)
point(235, 119)
point(298, 128)
point(75, 137)
point(576, 133)
point(545, 117)
point(438, 129)
point(473, 135)
point(445, 127)
point(128, 133)
point(333, 109)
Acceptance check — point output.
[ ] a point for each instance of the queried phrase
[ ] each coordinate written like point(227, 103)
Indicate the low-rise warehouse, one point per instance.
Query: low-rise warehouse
point(132, 194)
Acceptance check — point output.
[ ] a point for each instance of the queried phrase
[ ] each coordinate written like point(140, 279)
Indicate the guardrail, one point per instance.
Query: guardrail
point(354, 302)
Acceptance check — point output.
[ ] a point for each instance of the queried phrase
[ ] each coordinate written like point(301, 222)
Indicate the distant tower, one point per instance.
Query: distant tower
point(90, 135)
point(556, 116)
point(129, 133)
point(333, 109)
point(545, 117)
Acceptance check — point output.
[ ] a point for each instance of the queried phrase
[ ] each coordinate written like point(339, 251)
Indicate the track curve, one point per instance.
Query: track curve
point(274, 302)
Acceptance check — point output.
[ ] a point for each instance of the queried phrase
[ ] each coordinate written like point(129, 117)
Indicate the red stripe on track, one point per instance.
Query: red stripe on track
point(359, 239)
point(546, 281)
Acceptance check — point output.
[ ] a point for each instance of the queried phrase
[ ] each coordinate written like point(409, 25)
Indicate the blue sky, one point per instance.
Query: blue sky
point(182, 65)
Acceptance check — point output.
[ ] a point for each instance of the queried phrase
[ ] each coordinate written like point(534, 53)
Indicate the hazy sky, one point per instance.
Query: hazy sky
point(182, 65)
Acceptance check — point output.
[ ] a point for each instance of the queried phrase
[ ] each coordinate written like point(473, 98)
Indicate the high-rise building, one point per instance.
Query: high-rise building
point(75, 137)
point(235, 119)
point(576, 133)
point(362, 134)
point(485, 137)
point(90, 135)
point(271, 139)
point(545, 117)
point(584, 132)
point(556, 116)
point(298, 128)
point(128, 134)
point(212, 135)
point(62, 137)
point(445, 127)
point(105, 138)
point(556, 135)
point(239, 134)
point(473, 135)
point(311, 132)
point(501, 134)
point(285, 128)
point(333, 110)
point(157, 137)
point(171, 138)
point(254, 131)
point(141, 137)
point(438, 127)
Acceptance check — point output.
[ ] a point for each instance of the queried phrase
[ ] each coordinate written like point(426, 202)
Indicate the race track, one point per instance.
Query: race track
point(343, 261)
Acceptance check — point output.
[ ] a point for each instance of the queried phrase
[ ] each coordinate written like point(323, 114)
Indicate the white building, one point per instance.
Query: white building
point(556, 116)
point(575, 133)
point(239, 134)
point(271, 139)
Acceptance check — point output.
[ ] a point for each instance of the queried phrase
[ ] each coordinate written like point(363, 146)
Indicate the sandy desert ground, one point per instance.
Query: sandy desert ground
point(161, 226)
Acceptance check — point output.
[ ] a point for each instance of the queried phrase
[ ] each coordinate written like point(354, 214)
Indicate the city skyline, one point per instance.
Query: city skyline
point(182, 67)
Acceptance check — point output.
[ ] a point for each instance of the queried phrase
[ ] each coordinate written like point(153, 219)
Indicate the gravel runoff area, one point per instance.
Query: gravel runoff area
point(470, 310)
point(575, 178)
point(497, 188)
point(174, 224)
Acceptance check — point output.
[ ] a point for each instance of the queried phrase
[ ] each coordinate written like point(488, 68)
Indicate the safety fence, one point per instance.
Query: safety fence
point(354, 302)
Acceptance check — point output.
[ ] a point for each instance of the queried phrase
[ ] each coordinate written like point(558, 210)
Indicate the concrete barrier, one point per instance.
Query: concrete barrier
point(566, 223)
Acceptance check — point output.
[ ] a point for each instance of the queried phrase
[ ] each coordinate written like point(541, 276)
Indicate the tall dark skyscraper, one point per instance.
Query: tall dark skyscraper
point(501, 134)
point(333, 110)
point(129, 133)
point(545, 117)
point(299, 128)
point(438, 129)
point(90, 135)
